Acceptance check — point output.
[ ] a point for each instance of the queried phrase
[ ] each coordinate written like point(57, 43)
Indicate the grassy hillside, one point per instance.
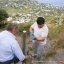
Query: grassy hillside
point(11, 10)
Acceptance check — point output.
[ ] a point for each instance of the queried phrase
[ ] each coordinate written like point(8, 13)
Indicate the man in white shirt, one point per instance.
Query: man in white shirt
point(10, 50)
point(39, 31)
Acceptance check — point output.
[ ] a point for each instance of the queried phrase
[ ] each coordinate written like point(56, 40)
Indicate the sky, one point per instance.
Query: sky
point(53, 2)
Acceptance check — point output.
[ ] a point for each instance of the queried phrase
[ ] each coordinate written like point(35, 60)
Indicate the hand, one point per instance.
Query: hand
point(32, 36)
point(24, 61)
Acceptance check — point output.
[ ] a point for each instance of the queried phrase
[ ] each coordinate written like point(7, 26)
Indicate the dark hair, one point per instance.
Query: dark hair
point(11, 26)
point(40, 20)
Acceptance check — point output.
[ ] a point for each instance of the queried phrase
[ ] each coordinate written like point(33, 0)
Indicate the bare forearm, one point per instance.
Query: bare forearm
point(31, 30)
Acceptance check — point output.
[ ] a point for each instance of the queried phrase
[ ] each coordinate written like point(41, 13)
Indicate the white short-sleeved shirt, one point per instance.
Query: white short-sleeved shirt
point(9, 47)
point(40, 31)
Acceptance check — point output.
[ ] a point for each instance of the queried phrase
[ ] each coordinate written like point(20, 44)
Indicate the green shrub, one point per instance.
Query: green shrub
point(25, 26)
point(3, 16)
point(3, 25)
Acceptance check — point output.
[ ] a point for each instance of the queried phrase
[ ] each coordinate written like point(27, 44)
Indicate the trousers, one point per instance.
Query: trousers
point(14, 60)
point(38, 49)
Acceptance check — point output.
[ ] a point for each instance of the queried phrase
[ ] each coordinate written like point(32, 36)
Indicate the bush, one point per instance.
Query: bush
point(3, 25)
point(54, 31)
point(60, 41)
point(3, 16)
point(25, 26)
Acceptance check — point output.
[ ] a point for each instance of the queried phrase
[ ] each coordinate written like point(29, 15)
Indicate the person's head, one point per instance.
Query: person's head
point(40, 22)
point(13, 28)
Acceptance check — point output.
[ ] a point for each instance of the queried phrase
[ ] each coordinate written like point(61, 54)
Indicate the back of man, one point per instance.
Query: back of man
point(9, 48)
point(5, 46)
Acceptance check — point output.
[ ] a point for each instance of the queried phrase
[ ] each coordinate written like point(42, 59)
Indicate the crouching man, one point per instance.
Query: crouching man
point(10, 50)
